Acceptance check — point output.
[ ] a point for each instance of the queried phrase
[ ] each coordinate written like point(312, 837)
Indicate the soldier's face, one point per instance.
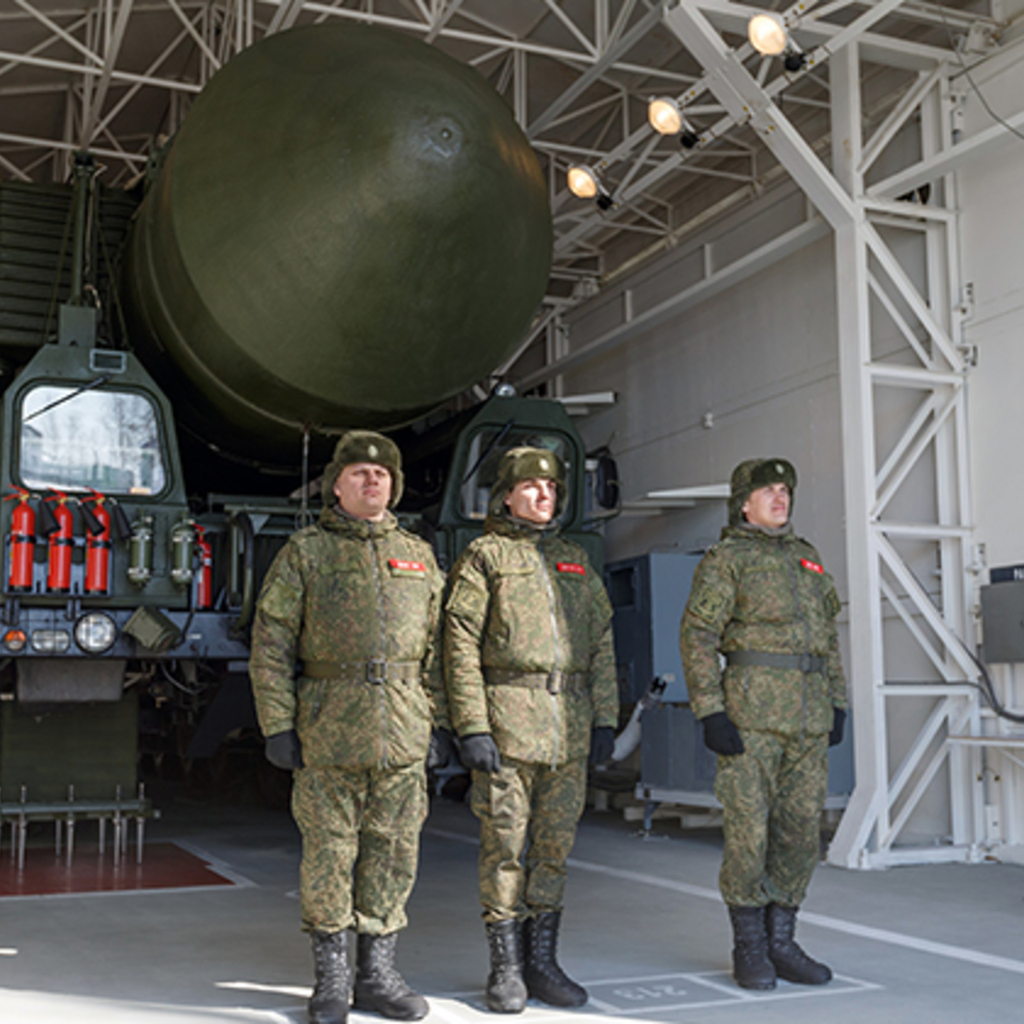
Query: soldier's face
point(363, 490)
point(533, 500)
point(768, 506)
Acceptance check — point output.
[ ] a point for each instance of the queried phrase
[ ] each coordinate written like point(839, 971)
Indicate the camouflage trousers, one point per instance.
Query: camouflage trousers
point(531, 808)
point(360, 845)
point(772, 796)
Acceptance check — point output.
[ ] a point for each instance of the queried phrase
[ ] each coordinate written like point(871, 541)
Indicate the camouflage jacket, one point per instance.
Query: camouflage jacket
point(757, 592)
point(527, 615)
point(339, 595)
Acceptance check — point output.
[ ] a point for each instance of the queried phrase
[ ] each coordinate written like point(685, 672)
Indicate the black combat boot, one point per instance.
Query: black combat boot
point(506, 990)
point(750, 964)
point(545, 980)
point(791, 962)
point(329, 1004)
point(379, 987)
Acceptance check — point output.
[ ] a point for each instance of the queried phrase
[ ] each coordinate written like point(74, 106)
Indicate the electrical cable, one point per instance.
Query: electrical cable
point(988, 690)
point(967, 74)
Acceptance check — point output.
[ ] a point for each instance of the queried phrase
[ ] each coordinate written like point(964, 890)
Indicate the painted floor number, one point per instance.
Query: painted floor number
point(639, 993)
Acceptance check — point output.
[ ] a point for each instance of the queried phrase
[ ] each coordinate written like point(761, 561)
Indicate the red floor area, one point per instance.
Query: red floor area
point(164, 866)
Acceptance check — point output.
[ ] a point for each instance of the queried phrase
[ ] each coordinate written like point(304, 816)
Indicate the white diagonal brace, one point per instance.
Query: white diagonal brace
point(192, 31)
point(925, 410)
point(928, 773)
point(110, 62)
point(68, 38)
point(898, 116)
point(571, 25)
point(746, 100)
point(925, 605)
point(934, 167)
point(284, 17)
point(597, 69)
point(85, 69)
point(934, 656)
point(446, 15)
point(909, 291)
point(916, 450)
point(898, 319)
point(13, 169)
point(133, 90)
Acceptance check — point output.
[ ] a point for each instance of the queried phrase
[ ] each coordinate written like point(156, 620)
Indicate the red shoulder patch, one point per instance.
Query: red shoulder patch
point(571, 567)
point(813, 566)
point(403, 565)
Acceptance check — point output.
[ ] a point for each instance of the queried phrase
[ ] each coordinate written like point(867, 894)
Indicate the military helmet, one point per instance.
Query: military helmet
point(364, 446)
point(519, 464)
point(752, 474)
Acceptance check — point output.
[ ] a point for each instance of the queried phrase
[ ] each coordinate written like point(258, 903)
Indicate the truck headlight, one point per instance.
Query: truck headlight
point(15, 639)
point(95, 632)
point(50, 641)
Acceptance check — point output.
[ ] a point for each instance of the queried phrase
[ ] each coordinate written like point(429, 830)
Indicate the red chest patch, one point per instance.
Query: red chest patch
point(573, 568)
point(401, 565)
point(813, 566)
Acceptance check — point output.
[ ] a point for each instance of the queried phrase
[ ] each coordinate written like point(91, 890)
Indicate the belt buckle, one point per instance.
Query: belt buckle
point(377, 671)
point(805, 662)
point(556, 680)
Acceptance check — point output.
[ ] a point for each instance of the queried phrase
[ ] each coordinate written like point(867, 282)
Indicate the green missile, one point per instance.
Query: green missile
point(349, 228)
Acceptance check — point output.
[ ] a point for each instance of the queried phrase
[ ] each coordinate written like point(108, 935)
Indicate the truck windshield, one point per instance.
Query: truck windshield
point(485, 452)
point(74, 438)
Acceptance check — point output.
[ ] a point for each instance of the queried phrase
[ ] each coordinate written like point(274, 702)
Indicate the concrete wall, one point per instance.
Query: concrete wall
point(991, 193)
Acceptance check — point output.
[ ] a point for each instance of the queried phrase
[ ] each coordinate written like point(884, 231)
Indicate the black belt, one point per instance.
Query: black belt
point(376, 670)
point(766, 659)
point(555, 681)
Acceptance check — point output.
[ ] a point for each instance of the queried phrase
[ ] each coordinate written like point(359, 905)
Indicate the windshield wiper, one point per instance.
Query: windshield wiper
point(67, 398)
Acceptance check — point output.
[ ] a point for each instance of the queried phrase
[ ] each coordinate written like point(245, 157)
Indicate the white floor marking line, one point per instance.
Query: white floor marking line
point(221, 867)
point(971, 956)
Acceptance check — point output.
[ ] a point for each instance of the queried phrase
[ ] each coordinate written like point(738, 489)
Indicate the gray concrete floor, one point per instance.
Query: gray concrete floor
point(643, 928)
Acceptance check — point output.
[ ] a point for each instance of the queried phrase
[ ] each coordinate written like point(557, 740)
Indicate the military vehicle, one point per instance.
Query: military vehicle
point(348, 229)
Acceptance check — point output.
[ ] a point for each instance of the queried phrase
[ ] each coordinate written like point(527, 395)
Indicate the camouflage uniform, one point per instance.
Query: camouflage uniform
point(528, 659)
point(358, 604)
point(756, 594)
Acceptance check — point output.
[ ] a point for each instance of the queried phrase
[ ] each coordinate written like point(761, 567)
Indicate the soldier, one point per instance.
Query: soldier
point(762, 599)
point(530, 671)
point(356, 600)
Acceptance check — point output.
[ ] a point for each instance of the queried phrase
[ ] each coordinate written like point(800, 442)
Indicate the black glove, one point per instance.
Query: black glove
point(720, 735)
point(441, 749)
point(284, 750)
point(602, 743)
point(480, 753)
point(835, 737)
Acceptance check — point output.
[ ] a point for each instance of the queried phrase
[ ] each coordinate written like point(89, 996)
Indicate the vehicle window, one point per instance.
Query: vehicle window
point(485, 452)
point(74, 438)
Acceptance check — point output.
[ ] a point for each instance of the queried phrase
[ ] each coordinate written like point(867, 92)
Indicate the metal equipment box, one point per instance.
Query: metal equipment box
point(1002, 617)
point(648, 595)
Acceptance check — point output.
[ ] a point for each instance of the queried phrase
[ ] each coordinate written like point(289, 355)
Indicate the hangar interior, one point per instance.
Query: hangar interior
point(816, 261)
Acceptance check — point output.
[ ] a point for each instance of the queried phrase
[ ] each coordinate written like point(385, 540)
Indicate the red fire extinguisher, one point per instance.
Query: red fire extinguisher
point(204, 584)
point(97, 543)
point(23, 541)
point(62, 541)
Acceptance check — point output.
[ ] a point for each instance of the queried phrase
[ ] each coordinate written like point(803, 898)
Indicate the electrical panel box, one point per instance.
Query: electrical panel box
point(648, 595)
point(1002, 618)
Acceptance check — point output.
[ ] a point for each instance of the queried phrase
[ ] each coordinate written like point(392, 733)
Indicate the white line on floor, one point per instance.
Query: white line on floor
point(971, 956)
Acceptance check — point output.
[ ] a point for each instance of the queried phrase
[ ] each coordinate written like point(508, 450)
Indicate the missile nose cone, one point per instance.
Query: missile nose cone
point(349, 228)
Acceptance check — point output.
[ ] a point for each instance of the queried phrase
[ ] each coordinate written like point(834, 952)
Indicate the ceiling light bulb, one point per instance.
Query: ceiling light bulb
point(664, 116)
point(582, 182)
point(767, 34)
